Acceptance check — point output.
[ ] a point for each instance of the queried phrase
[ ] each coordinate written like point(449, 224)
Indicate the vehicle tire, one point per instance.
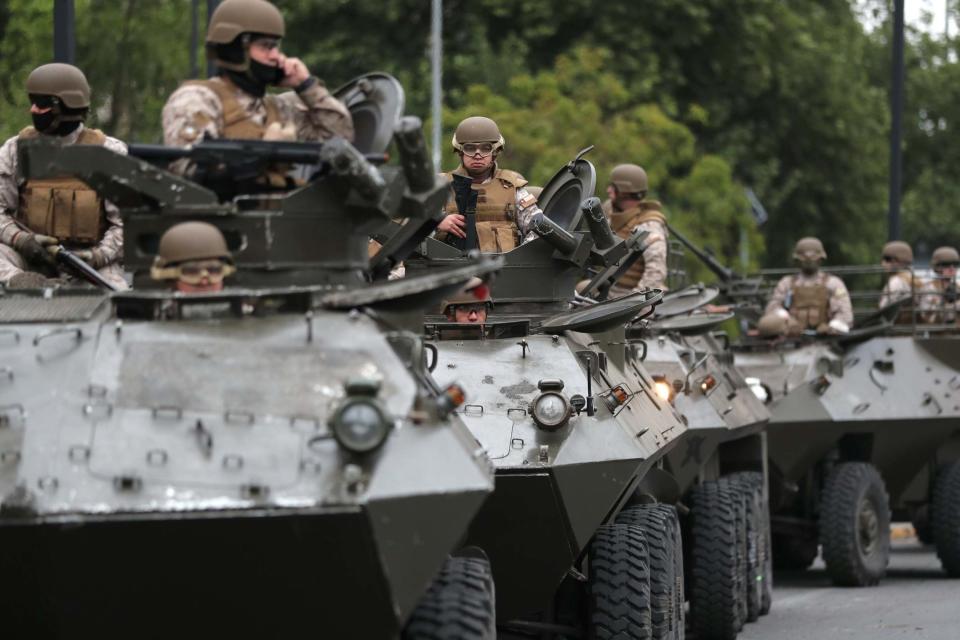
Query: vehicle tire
point(855, 525)
point(619, 584)
point(793, 553)
point(715, 584)
point(460, 604)
point(742, 552)
point(946, 518)
point(758, 567)
point(661, 528)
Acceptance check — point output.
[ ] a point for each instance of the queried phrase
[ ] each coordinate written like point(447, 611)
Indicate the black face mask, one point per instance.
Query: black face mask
point(47, 123)
point(266, 74)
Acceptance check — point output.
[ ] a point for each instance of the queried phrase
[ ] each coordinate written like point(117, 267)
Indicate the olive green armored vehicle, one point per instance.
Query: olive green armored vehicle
point(268, 460)
point(582, 530)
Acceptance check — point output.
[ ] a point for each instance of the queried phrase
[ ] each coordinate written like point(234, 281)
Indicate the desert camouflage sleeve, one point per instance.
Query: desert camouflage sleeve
point(897, 287)
point(779, 295)
point(110, 247)
point(317, 115)
point(9, 194)
point(527, 208)
point(654, 257)
point(840, 306)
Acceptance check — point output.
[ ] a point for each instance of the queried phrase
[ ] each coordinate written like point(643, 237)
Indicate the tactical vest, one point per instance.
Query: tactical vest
point(906, 314)
point(63, 207)
point(811, 303)
point(496, 215)
point(623, 223)
point(239, 124)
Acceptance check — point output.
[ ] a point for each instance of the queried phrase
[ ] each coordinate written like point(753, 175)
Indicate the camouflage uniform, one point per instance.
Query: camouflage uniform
point(110, 246)
point(898, 286)
point(195, 110)
point(650, 271)
point(939, 303)
point(838, 302)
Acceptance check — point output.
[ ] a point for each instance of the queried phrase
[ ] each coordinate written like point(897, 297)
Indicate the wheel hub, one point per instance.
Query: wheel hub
point(868, 527)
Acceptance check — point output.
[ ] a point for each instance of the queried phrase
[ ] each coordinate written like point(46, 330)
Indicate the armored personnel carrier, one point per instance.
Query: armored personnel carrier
point(719, 470)
point(265, 460)
point(583, 518)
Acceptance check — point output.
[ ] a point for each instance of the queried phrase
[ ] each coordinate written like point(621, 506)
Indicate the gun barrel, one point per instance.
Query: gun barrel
point(724, 273)
point(561, 239)
point(83, 270)
point(603, 237)
point(412, 147)
point(271, 152)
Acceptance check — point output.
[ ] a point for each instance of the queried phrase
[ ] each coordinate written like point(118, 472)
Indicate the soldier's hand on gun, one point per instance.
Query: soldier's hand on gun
point(455, 224)
point(91, 256)
point(295, 72)
point(37, 248)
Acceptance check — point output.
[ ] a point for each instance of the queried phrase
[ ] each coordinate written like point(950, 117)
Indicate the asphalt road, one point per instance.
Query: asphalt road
point(915, 600)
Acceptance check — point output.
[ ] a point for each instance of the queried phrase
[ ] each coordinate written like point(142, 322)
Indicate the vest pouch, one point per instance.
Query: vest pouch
point(37, 210)
point(810, 305)
point(496, 237)
point(86, 218)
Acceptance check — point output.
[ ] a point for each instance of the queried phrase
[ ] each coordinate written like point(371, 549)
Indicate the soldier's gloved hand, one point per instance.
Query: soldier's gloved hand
point(454, 224)
point(277, 132)
point(36, 248)
point(93, 257)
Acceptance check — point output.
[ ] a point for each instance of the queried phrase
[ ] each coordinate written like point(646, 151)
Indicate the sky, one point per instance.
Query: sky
point(915, 10)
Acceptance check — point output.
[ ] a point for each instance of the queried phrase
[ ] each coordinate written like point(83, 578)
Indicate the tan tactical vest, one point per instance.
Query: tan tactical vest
point(238, 123)
point(623, 223)
point(63, 207)
point(811, 303)
point(497, 230)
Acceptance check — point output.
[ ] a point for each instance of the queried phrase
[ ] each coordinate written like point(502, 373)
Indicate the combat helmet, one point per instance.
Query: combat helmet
point(898, 251)
point(476, 290)
point(477, 129)
point(235, 18)
point(944, 255)
point(629, 178)
point(64, 89)
point(809, 247)
point(187, 242)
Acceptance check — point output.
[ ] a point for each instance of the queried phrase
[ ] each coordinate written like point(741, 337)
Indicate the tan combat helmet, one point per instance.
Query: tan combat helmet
point(62, 81)
point(476, 290)
point(234, 17)
point(629, 178)
point(809, 248)
point(187, 242)
point(477, 129)
point(944, 255)
point(899, 251)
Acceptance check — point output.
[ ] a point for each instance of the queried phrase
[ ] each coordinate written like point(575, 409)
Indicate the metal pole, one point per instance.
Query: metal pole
point(896, 118)
point(436, 67)
point(64, 33)
point(194, 31)
point(211, 6)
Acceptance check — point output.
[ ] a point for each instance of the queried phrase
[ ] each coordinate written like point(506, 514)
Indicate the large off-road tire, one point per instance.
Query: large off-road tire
point(855, 525)
point(661, 528)
point(946, 518)
point(759, 570)
point(619, 584)
point(742, 552)
point(459, 604)
point(923, 524)
point(715, 582)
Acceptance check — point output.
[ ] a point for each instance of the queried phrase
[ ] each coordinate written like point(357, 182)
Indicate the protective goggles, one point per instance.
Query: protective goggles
point(947, 265)
point(194, 272)
point(266, 43)
point(477, 148)
point(43, 101)
point(889, 259)
point(476, 307)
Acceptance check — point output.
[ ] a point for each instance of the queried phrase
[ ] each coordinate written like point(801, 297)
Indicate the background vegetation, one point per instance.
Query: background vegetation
point(785, 97)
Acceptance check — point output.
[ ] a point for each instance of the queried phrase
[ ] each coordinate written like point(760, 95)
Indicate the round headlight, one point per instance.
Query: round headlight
point(759, 389)
point(359, 425)
point(551, 410)
point(663, 389)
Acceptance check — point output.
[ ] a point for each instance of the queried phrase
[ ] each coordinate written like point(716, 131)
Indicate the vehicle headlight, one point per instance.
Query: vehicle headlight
point(360, 424)
point(663, 388)
point(551, 410)
point(759, 389)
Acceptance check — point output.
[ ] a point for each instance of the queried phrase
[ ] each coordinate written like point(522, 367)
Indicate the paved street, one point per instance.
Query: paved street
point(916, 600)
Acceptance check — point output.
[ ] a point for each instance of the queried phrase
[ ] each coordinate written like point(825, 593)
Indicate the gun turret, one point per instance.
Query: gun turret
point(603, 236)
point(561, 239)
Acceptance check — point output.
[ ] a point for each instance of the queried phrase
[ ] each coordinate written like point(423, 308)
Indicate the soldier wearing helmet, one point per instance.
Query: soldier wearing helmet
point(471, 305)
point(940, 299)
point(897, 260)
point(628, 209)
point(38, 215)
point(193, 257)
point(810, 300)
point(505, 209)
point(243, 40)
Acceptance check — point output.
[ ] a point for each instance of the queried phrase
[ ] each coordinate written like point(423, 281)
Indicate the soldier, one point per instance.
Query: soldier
point(897, 260)
point(628, 210)
point(809, 300)
point(193, 257)
point(505, 209)
point(243, 40)
point(940, 298)
point(471, 305)
point(39, 215)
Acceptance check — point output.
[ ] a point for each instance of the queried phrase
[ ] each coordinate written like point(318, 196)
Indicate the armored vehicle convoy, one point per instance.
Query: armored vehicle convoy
point(719, 469)
point(265, 460)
